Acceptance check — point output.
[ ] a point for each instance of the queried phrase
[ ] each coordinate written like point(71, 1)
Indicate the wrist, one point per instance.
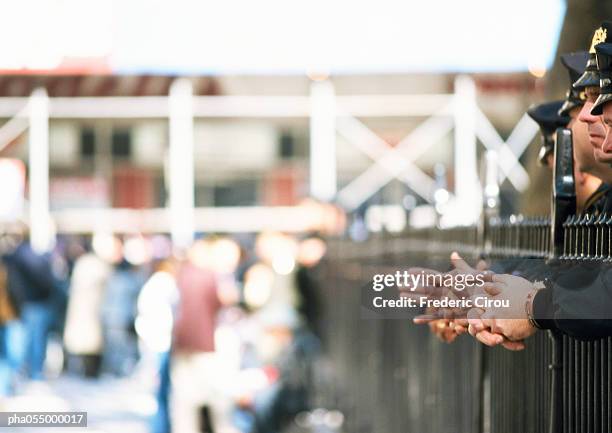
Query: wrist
point(529, 301)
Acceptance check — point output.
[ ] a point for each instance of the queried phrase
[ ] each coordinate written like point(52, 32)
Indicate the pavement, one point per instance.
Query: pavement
point(112, 404)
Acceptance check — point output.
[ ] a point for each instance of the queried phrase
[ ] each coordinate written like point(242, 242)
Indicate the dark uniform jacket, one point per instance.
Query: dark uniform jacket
point(577, 300)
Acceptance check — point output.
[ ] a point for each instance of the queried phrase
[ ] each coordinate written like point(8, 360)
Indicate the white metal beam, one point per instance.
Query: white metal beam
point(234, 219)
point(119, 107)
point(467, 185)
point(41, 234)
point(322, 140)
point(181, 164)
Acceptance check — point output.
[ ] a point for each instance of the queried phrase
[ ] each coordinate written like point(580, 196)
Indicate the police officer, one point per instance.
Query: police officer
point(602, 107)
point(548, 119)
point(590, 188)
point(589, 83)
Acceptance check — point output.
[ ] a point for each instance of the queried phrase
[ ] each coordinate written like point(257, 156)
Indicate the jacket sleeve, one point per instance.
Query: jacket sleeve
point(577, 302)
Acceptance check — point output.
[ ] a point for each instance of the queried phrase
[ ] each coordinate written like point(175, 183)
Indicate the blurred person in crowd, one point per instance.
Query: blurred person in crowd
point(83, 335)
point(273, 386)
point(196, 401)
point(63, 256)
point(226, 257)
point(278, 251)
point(157, 303)
point(310, 252)
point(119, 307)
point(66, 251)
point(31, 285)
point(325, 218)
point(11, 336)
point(257, 287)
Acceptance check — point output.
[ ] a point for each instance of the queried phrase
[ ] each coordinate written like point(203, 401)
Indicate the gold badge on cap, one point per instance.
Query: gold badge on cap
point(599, 37)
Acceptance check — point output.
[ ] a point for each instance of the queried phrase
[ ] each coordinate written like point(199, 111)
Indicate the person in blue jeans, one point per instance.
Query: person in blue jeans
point(12, 345)
point(160, 422)
point(156, 310)
point(36, 320)
point(31, 284)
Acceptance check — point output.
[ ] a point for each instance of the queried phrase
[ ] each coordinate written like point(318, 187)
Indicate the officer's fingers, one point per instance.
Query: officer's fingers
point(513, 345)
point(459, 313)
point(460, 330)
point(474, 314)
point(488, 338)
point(500, 278)
point(441, 325)
point(478, 290)
point(482, 265)
point(411, 295)
point(459, 263)
point(431, 290)
point(463, 321)
point(487, 275)
point(449, 335)
point(492, 288)
point(474, 321)
point(448, 313)
point(487, 315)
point(425, 318)
point(475, 327)
point(488, 320)
point(416, 290)
point(460, 326)
point(472, 330)
point(422, 271)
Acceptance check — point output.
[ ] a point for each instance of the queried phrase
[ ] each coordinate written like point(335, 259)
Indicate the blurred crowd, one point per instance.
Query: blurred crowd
point(226, 329)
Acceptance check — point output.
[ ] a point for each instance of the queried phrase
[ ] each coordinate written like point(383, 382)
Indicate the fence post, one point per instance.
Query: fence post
point(563, 204)
point(563, 188)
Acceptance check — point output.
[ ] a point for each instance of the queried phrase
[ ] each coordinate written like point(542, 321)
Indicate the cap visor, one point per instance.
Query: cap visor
point(568, 106)
point(588, 79)
point(597, 109)
point(543, 155)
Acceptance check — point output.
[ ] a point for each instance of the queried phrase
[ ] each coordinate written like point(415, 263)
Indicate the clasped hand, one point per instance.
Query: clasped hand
point(492, 325)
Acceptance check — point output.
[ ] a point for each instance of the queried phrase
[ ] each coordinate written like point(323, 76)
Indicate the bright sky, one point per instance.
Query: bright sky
point(282, 36)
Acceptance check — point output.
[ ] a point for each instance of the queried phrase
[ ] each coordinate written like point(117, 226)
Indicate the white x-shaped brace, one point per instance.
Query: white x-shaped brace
point(397, 162)
point(14, 127)
point(391, 162)
point(509, 151)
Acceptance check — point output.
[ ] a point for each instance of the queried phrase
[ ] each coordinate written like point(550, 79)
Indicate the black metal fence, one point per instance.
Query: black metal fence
point(390, 376)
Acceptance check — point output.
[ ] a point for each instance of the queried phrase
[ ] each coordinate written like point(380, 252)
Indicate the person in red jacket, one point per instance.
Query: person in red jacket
point(197, 399)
